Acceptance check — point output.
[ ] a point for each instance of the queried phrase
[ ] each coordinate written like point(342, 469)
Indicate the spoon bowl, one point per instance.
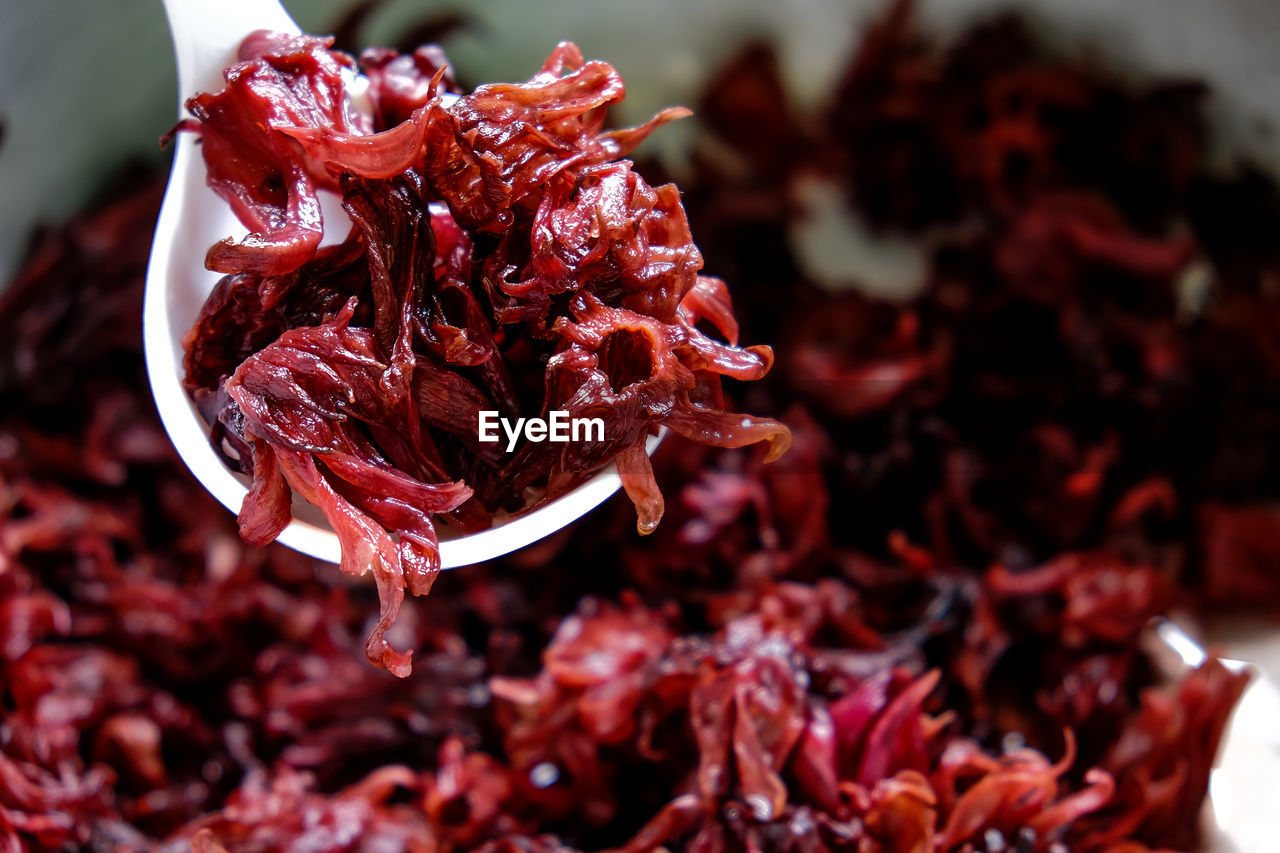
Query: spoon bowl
point(206, 39)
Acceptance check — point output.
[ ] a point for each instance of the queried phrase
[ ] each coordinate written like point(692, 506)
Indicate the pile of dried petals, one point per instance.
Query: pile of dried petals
point(503, 258)
point(919, 631)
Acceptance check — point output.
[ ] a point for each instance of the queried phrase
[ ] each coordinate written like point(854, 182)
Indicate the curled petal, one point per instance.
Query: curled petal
point(724, 429)
point(638, 481)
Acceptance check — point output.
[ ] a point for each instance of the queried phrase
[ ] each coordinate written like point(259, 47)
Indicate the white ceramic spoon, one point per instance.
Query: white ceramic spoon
point(205, 38)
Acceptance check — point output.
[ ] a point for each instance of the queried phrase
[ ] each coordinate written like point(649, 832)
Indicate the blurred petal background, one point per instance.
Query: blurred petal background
point(89, 85)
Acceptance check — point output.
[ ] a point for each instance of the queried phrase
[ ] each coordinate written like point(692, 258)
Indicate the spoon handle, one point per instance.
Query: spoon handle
point(206, 34)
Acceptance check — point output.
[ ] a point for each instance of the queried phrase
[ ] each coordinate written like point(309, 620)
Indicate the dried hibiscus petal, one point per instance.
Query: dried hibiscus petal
point(280, 82)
